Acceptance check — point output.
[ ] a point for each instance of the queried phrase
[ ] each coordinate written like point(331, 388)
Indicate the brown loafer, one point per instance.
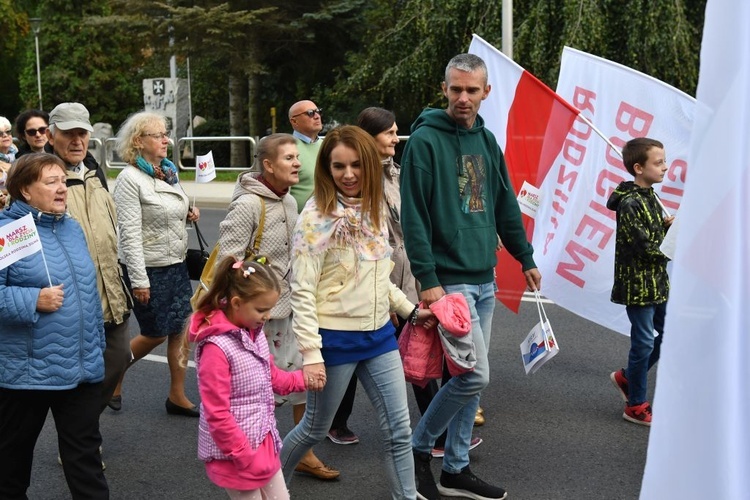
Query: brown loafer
point(479, 419)
point(322, 471)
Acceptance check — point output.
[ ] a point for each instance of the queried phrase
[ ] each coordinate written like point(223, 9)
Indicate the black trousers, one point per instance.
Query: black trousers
point(116, 358)
point(76, 413)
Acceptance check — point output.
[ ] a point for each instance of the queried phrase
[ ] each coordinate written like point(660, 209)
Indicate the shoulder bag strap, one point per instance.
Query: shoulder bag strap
point(259, 234)
point(202, 243)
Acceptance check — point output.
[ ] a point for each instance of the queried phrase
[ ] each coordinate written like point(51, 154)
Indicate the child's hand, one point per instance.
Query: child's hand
point(668, 221)
point(315, 376)
point(394, 319)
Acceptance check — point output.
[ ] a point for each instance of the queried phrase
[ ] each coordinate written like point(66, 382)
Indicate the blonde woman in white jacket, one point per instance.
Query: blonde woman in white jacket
point(151, 212)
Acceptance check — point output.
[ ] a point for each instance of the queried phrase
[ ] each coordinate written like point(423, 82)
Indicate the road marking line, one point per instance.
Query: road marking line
point(163, 359)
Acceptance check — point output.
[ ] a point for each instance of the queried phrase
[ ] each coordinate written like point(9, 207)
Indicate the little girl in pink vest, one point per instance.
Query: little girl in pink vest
point(237, 435)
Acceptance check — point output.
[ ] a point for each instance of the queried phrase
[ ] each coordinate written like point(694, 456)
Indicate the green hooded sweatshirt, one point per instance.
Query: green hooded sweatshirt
point(456, 198)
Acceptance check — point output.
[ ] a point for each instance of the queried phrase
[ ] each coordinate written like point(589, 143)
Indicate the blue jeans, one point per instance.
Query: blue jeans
point(455, 405)
point(644, 347)
point(383, 380)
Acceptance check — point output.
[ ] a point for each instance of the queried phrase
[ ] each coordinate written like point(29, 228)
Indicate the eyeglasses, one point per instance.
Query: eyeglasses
point(3, 133)
point(310, 113)
point(160, 136)
point(33, 131)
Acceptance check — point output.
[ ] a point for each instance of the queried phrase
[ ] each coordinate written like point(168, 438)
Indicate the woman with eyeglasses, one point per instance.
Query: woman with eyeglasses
point(8, 152)
point(151, 212)
point(31, 130)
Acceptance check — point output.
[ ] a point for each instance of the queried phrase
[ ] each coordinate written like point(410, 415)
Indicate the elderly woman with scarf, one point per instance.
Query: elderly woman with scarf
point(8, 152)
point(151, 212)
point(341, 302)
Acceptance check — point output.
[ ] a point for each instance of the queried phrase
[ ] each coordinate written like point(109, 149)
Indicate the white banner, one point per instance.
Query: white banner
point(574, 236)
point(205, 168)
point(699, 445)
point(17, 240)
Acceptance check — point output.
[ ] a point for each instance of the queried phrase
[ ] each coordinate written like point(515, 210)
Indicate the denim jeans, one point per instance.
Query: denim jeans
point(455, 405)
point(383, 380)
point(644, 347)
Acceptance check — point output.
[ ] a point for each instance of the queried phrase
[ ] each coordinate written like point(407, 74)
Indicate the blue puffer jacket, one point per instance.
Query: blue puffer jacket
point(59, 350)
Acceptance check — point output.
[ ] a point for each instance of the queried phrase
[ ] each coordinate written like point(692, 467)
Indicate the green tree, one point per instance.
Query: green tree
point(408, 43)
point(85, 62)
point(654, 36)
point(14, 26)
point(256, 50)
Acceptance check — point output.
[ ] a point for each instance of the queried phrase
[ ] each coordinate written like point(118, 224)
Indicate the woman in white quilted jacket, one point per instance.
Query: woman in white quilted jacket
point(152, 210)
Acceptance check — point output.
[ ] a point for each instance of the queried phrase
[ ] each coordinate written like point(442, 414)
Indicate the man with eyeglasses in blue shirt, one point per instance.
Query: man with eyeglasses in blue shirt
point(307, 123)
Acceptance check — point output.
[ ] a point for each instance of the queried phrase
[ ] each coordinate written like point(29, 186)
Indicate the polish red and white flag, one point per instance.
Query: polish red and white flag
point(530, 122)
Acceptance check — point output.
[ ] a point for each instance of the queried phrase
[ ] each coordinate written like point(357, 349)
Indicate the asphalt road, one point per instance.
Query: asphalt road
point(557, 434)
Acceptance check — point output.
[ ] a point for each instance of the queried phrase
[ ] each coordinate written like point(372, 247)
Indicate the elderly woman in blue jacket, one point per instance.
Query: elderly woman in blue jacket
point(51, 338)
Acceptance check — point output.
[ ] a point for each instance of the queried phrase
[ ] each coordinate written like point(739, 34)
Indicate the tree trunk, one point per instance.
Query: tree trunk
point(237, 125)
point(254, 124)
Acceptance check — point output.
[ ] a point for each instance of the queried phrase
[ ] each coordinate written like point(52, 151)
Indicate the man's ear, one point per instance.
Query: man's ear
point(638, 168)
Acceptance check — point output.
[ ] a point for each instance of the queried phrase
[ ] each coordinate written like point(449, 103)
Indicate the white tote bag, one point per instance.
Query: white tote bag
point(540, 345)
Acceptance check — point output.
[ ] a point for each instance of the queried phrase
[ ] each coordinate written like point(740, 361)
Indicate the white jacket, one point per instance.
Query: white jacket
point(151, 217)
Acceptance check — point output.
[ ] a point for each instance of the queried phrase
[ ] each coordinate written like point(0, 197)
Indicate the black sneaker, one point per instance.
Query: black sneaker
point(426, 489)
point(466, 485)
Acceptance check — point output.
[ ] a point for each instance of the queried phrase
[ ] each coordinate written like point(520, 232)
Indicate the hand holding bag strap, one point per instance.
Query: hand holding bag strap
point(542, 318)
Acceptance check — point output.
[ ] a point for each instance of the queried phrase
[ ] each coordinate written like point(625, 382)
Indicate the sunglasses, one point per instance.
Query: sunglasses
point(33, 131)
point(310, 113)
point(3, 133)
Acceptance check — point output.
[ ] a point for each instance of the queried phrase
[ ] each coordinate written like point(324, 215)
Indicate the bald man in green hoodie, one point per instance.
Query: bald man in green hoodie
point(456, 197)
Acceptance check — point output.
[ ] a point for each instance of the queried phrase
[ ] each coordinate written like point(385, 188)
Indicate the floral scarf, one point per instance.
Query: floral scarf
point(316, 231)
point(165, 171)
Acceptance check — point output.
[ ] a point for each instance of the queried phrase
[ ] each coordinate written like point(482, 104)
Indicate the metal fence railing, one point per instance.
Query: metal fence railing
point(106, 155)
point(242, 138)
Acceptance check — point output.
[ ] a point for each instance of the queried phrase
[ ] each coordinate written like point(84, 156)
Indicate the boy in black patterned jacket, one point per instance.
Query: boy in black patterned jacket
point(641, 280)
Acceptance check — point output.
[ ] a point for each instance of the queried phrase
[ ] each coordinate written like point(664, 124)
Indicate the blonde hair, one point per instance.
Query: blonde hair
point(134, 127)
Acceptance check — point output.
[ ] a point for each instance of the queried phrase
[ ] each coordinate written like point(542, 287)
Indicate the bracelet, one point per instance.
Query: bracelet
point(414, 315)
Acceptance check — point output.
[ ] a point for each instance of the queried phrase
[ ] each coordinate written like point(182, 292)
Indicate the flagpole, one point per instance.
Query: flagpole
point(619, 153)
point(44, 259)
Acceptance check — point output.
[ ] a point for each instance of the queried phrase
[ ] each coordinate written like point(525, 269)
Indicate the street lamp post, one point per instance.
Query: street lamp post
point(36, 26)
